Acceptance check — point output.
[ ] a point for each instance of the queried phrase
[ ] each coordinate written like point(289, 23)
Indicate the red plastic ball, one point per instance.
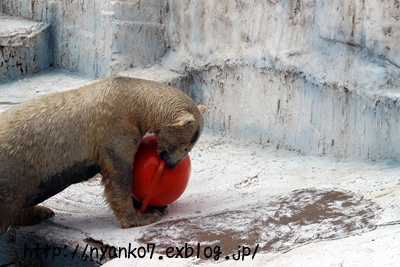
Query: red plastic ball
point(162, 190)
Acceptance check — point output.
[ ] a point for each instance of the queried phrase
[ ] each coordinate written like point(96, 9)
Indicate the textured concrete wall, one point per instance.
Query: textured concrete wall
point(139, 33)
point(98, 37)
point(308, 75)
point(285, 109)
point(208, 31)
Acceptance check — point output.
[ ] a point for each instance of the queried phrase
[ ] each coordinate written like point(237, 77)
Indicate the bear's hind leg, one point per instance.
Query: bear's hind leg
point(33, 215)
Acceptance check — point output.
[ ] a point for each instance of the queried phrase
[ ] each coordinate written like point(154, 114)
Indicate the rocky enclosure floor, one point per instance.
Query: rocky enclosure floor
point(279, 207)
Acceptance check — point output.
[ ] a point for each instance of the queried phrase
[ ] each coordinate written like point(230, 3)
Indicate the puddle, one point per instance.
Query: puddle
point(284, 222)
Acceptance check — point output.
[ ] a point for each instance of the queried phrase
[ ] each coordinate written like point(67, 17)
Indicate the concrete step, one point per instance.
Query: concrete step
point(24, 47)
point(49, 81)
point(161, 74)
point(13, 92)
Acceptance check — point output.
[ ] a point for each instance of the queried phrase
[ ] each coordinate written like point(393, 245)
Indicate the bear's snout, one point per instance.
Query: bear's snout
point(164, 155)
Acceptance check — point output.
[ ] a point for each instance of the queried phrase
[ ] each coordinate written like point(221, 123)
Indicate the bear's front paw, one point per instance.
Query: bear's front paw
point(149, 209)
point(140, 219)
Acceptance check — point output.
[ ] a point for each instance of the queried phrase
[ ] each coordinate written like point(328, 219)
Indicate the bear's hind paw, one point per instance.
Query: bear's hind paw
point(33, 215)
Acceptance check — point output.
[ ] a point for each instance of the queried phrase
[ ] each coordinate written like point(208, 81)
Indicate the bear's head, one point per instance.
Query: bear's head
point(177, 139)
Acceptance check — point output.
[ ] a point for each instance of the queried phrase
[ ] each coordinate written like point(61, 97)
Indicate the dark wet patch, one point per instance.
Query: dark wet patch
point(285, 222)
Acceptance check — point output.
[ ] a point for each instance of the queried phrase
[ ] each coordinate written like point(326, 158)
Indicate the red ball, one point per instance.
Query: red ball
point(153, 183)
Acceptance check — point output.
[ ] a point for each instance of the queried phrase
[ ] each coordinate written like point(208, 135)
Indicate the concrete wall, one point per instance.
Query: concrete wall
point(312, 76)
point(98, 37)
point(213, 31)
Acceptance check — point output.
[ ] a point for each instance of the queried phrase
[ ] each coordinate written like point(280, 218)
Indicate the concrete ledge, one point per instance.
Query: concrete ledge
point(24, 47)
point(161, 74)
point(49, 81)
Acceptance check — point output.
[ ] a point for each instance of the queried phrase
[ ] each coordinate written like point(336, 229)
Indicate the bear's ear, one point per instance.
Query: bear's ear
point(183, 119)
point(202, 108)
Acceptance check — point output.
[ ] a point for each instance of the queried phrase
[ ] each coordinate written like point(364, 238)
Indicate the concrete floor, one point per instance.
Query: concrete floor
point(280, 207)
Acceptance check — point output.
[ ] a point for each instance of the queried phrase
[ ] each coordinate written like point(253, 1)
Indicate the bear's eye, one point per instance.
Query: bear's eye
point(195, 136)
